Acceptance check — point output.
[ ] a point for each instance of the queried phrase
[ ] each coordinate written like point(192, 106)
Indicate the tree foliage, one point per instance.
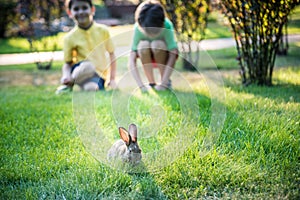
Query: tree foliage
point(35, 20)
point(258, 29)
point(7, 13)
point(19, 17)
point(190, 20)
point(43, 11)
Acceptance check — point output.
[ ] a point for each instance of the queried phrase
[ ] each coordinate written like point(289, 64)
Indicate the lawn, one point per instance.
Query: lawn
point(207, 138)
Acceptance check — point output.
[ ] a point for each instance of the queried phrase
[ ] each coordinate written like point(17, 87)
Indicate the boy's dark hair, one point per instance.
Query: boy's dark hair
point(151, 17)
point(69, 3)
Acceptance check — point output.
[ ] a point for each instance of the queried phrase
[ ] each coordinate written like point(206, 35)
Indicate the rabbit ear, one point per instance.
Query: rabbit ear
point(133, 132)
point(124, 135)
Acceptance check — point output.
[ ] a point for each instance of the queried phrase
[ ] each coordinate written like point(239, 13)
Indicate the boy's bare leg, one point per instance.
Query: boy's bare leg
point(159, 50)
point(84, 71)
point(167, 69)
point(90, 86)
point(144, 53)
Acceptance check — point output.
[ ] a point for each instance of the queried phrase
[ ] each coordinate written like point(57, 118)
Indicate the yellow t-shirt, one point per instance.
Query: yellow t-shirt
point(91, 44)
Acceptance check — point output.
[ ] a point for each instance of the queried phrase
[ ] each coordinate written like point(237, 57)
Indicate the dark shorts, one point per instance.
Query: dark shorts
point(96, 78)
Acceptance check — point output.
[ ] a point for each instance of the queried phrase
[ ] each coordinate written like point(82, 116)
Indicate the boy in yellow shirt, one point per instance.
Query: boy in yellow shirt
point(84, 51)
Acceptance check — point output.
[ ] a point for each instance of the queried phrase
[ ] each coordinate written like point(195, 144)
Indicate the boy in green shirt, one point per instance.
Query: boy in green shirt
point(154, 43)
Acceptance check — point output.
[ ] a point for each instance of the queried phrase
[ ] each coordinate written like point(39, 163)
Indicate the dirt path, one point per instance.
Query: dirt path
point(38, 78)
point(23, 58)
point(22, 78)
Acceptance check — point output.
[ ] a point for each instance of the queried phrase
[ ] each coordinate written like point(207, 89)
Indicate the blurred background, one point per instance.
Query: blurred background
point(37, 18)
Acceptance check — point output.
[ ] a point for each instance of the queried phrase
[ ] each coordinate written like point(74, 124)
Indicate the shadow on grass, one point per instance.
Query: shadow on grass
point(291, 59)
point(294, 24)
point(285, 87)
point(282, 90)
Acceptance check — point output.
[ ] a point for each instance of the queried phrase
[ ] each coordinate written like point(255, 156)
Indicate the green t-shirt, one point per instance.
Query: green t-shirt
point(167, 35)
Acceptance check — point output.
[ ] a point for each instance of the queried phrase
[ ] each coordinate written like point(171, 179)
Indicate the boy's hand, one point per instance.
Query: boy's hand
point(112, 84)
point(67, 81)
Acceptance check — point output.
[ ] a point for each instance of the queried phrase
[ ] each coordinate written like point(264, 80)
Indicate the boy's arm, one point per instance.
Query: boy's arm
point(134, 71)
point(66, 68)
point(113, 68)
point(168, 71)
point(66, 74)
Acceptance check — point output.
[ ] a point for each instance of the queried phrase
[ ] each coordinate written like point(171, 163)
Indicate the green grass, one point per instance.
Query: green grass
point(43, 154)
point(21, 45)
point(225, 59)
point(294, 21)
point(31, 67)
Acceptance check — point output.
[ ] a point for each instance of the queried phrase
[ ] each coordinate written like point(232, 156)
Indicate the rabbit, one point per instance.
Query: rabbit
point(126, 149)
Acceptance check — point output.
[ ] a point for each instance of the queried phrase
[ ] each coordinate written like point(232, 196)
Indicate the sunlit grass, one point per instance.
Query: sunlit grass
point(21, 45)
point(30, 67)
point(43, 154)
point(294, 21)
point(256, 156)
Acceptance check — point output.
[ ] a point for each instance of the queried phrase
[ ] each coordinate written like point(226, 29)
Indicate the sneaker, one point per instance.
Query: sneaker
point(164, 87)
point(63, 89)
